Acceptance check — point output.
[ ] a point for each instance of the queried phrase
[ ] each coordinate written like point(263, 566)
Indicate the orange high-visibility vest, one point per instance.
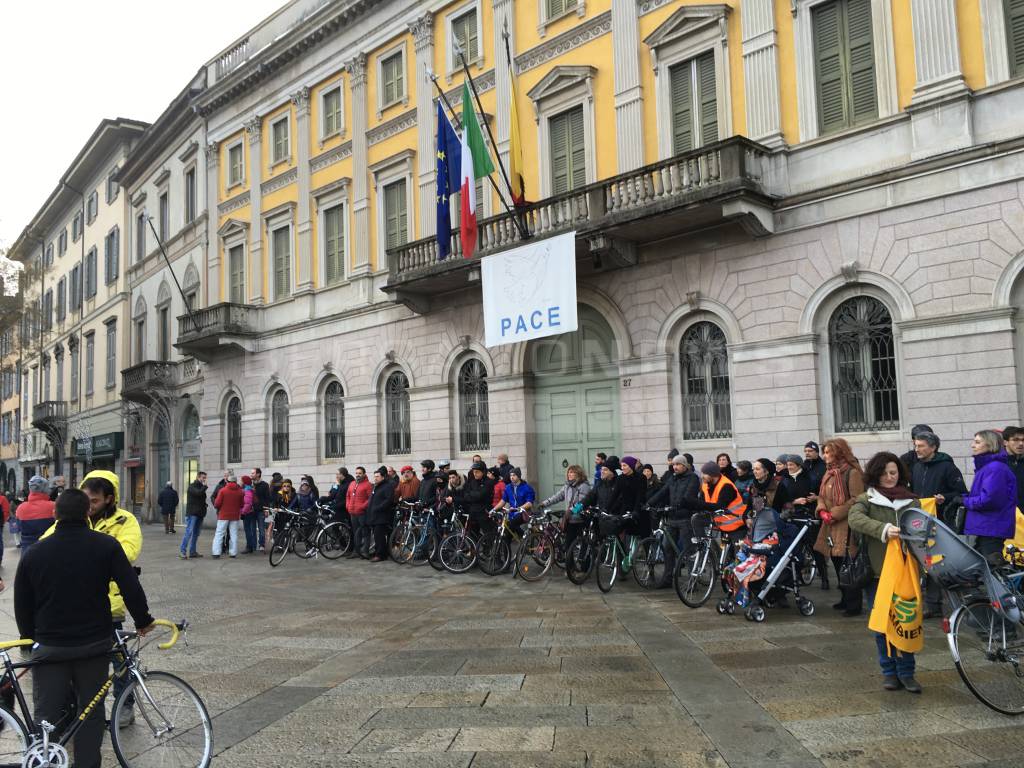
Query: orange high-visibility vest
point(732, 518)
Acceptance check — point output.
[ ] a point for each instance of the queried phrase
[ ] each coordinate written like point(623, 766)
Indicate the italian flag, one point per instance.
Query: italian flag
point(476, 163)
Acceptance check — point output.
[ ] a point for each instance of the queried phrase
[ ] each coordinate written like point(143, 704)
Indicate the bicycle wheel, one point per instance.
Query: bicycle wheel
point(334, 540)
point(649, 563)
point(808, 568)
point(14, 738)
point(171, 725)
point(280, 548)
point(989, 655)
point(396, 542)
point(536, 553)
point(695, 577)
point(607, 565)
point(580, 560)
point(494, 555)
point(423, 544)
point(458, 552)
point(434, 558)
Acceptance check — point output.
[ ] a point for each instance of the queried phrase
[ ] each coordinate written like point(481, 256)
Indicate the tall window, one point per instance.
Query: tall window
point(236, 169)
point(59, 357)
point(140, 237)
point(75, 288)
point(330, 106)
point(282, 252)
point(279, 426)
point(234, 430)
point(111, 354)
point(392, 79)
point(694, 103)
point(844, 64)
point(190, 195)
point(279, 140)
point(396, 215)
point(558, 7)
point(236, 272)
point(863, 357)
point(334, 245)
point(464, 30)
point(568, 151)
point(92, 208)
point(397, 414)
point(90, 363)
point(44, 371)
point(48, 309)
point(111, 255)
point(474, 417)
point(1015, 35)
point(62, 242)
point(90, 273)
point(704, 369)
point(74, 370)
point(334, 421)
point(163, 316)
point(140, 340)
point(165, 217)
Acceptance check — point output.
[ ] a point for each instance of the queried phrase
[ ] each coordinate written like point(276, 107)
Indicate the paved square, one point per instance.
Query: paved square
point(350, 663)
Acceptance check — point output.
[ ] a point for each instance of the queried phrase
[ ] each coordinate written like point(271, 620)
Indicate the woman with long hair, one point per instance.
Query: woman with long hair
point(843, 482)
point(724, 461)
point(992, 502)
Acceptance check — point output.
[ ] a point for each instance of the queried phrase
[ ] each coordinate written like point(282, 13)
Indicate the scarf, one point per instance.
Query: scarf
point(835, 477)
point(899, 493)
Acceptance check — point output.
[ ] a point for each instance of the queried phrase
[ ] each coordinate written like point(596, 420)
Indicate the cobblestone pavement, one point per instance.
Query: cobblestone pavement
point(349, 663)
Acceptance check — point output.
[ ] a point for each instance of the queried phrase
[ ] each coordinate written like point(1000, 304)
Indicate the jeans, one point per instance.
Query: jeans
point(261, 528)
point(360, 535)
point(31, 530)
point(226, 528)
point(193, 524)
point(252, 528)
point(899, 664)
point(121, 682)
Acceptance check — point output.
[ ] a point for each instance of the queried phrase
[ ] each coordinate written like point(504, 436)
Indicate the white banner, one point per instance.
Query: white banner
point(530, 291)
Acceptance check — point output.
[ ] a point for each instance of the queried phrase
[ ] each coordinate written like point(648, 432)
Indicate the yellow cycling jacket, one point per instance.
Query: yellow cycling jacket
point(124, 527)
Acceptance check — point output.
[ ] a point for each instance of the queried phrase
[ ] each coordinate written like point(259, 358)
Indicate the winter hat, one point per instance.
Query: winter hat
point(38, 484)
point(673, 453)
point(677, 459)
point(406, 468)
point(792, 458)
point(646, 467)
point(382, 471)
point(631, 461)
point(612, 462)
point(517, 472)
point(812, 444)
point(767, 465)
point(479, 465)
point(917, 429)
point(711, 468)
point(246, 480)
point(689, 458)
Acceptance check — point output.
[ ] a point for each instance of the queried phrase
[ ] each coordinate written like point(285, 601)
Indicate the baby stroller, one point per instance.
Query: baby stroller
point(766, 566)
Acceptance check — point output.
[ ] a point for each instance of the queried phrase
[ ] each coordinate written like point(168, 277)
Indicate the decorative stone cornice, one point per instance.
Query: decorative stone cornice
point(567, 41)
point(484, 83)
point(301, 101)
point(422, 31)
point(331, 156)
point(356, 68)
point(391, 127)
point(161, 177)
point(280, 181)
point(644, 7)
point(189, 151)
point(254, 129)
point(233, 203)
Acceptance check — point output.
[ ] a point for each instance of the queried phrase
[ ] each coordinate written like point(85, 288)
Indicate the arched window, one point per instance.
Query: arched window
point(334, 421)
point(863, 357)
point(704, 368)
point(474, 418)
point(279, 426)
point(397, 414)
point(190, 425)
point(234, 430)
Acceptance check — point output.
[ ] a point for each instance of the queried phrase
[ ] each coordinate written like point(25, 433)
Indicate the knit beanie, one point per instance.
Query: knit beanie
point(612, 462)
point(673, 453)
point(631, 461)
point(246, 480)
point(711, 469)
point(38, 484)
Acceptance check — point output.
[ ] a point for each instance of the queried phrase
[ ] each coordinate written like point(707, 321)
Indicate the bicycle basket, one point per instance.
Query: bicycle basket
point(611, 525)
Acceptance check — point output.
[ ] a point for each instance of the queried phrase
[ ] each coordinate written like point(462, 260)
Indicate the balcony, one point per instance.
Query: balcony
point(215, 330)
point(719, 184)
point(148, 381)
point(50, 416)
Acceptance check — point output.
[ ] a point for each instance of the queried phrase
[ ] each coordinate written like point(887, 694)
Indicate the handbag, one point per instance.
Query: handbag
point(855, 571)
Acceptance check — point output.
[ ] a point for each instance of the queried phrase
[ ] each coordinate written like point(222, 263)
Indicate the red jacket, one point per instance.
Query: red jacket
point(499, 491)
point(229, 502)
point(37, 507)
point(5, 507)
point(357, 498)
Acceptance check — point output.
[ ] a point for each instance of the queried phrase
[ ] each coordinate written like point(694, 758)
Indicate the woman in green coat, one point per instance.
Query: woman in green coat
point(876, 516)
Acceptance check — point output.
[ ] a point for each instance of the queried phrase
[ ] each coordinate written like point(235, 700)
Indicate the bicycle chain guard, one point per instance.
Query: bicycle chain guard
point(55, 756)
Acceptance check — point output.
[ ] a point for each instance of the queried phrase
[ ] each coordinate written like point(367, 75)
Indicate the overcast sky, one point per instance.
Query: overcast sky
point(69, 64)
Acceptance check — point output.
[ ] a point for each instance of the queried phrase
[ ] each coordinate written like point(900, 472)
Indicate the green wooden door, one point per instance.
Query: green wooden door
point(576, 403)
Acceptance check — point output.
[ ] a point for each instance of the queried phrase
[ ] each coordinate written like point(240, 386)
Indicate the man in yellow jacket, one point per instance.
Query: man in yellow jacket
point(103, 489)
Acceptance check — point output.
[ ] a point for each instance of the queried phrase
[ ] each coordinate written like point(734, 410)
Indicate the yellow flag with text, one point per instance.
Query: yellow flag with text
point(897, 612)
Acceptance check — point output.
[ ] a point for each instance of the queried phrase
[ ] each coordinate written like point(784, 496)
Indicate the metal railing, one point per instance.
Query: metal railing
point(144, 375)
point(220, 318)
point(50, 411)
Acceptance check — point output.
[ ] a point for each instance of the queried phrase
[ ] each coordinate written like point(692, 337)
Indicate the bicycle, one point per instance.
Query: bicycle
point(495, 552)
point(658, 553)
point(171, 727)
point(612, 557)
point(458, 549)
point(579, 560)
point(404, 512)
point(695, 575)
point(422, 538)
point(542, 541)
point(309, 535)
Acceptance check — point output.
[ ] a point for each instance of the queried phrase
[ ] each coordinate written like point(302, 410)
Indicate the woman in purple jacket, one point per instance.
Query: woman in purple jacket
point(991, 504)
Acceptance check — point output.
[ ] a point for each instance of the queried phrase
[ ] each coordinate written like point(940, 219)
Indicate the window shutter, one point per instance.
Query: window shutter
point(282, 257)
point(863, 96)
point(708, 98)
point(399, 77)
point(682, 108)
point(396, 215)
point(558, 127)
point(828, 56)
point(578, 145)
point(332, 245)
point(1015, 34)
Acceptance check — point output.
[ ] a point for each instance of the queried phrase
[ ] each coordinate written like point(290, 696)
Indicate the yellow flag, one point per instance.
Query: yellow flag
point(515, 148)
point(897, 611)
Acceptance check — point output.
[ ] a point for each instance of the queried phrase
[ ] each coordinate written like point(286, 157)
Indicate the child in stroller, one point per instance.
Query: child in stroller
point(766, 565)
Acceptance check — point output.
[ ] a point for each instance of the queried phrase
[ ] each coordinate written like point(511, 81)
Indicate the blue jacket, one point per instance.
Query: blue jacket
point(304, 502)
point(517, 495)
point(992, 503)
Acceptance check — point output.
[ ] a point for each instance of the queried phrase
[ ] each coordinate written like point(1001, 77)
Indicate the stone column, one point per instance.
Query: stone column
point(936, 50)
point(503, 12)
point(423, 34)
point(211, 286)
point(629, 128)
point(304, 225)
point(360, 202)
point(254, 280)
point(761, 72)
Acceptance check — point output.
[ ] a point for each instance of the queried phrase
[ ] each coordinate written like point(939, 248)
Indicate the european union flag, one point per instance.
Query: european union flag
point(449, 166)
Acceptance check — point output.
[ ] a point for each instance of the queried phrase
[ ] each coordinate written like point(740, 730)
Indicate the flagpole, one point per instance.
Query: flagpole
point(523, 232)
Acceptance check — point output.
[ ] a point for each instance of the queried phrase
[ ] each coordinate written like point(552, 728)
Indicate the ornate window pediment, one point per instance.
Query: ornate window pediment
point(562, 78)
point(233, 228)
point(140, 308)
point(687, 21)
